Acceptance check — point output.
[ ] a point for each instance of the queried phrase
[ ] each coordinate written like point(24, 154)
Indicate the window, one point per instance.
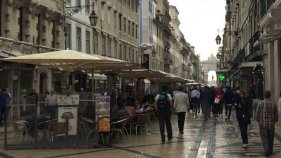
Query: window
point(128, 3)
point(78, 39)
point(133, 5)
point(120, 52)
point(115, 49)
point(109, 16)
point(136, 31)
point(78, 2)
point(133, 29)
point(124, 25)
point(67, 36)
point(103, 44)
point(88, 48)
point(129, 54)
point(124, 56)
point(150, 7)
point(95, 42)
point(109, 44)
point(87, 9)
point(150, 23)
point(120, 22)
point(115, 19)
point(129, 28)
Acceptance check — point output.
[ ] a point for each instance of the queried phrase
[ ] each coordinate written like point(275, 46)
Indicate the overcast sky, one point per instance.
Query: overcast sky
point(200, 20)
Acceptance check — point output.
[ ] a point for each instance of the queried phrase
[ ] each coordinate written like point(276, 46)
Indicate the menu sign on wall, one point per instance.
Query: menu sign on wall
point(68, 100)
point(103, 111)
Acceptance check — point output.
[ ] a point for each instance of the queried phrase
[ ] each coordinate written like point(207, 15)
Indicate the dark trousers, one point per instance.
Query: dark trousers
point(216, 109)
point(181, 119)
point(267, 138)
point(228, 111)
point(53, 111)
point(165, 119)
point(206, 108)
point(243, 130)
point(2, 115)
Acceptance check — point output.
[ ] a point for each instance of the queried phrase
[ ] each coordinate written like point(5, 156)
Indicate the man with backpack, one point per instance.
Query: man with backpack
point(164, 109)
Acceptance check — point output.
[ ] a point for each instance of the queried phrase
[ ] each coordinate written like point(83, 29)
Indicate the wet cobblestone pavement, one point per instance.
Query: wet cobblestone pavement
point(201, 139)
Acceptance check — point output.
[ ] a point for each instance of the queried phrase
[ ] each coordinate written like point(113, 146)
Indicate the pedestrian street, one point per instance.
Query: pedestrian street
point(201, 138)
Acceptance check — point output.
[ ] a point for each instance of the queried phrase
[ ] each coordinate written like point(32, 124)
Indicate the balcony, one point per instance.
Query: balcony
point(10, 47)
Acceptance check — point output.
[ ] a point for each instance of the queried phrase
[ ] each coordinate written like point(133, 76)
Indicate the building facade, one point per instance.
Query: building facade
point(115, 35)
point(28, 27)
point(270, 40)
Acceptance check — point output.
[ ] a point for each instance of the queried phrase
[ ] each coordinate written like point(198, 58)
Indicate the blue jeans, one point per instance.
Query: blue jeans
point(267, 137)
point(195, 107)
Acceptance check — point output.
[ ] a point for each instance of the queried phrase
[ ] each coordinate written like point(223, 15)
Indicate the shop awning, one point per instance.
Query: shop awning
point(71, 60)
point(142, 73)
point(250, 64)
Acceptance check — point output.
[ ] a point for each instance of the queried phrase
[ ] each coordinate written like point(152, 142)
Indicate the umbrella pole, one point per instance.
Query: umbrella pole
point(92, 80)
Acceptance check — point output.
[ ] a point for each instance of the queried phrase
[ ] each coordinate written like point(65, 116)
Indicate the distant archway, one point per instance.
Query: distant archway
point(209, 68)
point(212, 78)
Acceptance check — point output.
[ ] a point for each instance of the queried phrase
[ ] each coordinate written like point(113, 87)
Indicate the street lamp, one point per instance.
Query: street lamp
point(218, 39)
point(219, 56)
point(93, 18)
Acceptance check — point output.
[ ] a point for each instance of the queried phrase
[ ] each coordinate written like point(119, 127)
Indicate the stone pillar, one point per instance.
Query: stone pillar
point(269, 67)
point(276, 75)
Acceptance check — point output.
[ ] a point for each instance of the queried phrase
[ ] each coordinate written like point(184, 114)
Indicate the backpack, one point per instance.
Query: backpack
point(163, 103)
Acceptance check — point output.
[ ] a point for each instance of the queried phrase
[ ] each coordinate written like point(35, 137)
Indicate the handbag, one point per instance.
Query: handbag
point(217, 100)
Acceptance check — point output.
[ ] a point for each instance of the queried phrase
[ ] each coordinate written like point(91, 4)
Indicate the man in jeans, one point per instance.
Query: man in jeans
point(228, 102)
point(195, 95)
point(164, 112)
point(267, 115)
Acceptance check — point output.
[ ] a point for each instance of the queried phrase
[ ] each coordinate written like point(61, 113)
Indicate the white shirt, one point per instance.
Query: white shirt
point(181, 103)
point(51, 99)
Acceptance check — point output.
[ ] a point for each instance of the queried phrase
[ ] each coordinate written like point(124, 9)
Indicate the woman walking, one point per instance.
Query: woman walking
point(242, 114)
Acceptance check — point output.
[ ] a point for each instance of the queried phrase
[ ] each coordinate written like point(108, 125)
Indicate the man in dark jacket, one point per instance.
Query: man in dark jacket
point(4, 100)
point(206, 97)
point(228, 102)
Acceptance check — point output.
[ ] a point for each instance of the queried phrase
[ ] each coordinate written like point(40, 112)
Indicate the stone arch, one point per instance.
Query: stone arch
point(210, 66)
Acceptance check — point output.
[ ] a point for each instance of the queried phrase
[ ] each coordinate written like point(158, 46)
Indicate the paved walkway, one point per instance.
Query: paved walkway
point(201, 139)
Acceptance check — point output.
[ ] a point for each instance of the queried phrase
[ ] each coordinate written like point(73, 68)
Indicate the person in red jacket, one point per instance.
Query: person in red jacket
point(218, 102)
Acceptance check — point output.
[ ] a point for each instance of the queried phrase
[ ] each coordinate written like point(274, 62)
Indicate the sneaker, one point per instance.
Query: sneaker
point(181, 132)
point(244, 146)
point(170, 139)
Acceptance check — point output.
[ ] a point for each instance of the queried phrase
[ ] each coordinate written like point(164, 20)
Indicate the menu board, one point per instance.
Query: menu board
point(103, 110)
point(68, 100)
point(69, 113)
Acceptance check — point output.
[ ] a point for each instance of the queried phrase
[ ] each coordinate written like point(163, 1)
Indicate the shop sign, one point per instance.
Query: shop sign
point(103, 111)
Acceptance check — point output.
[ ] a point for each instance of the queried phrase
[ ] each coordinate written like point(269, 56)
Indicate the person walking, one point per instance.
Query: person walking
point(206, 97)
point(4, 101)
point(228, 102)
point(51, 103)
point(279, 105)
point(217, 103)
point(267, 115)
point(164, 110)
point(181, 105)
point(242, 114)
point(195, 95)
